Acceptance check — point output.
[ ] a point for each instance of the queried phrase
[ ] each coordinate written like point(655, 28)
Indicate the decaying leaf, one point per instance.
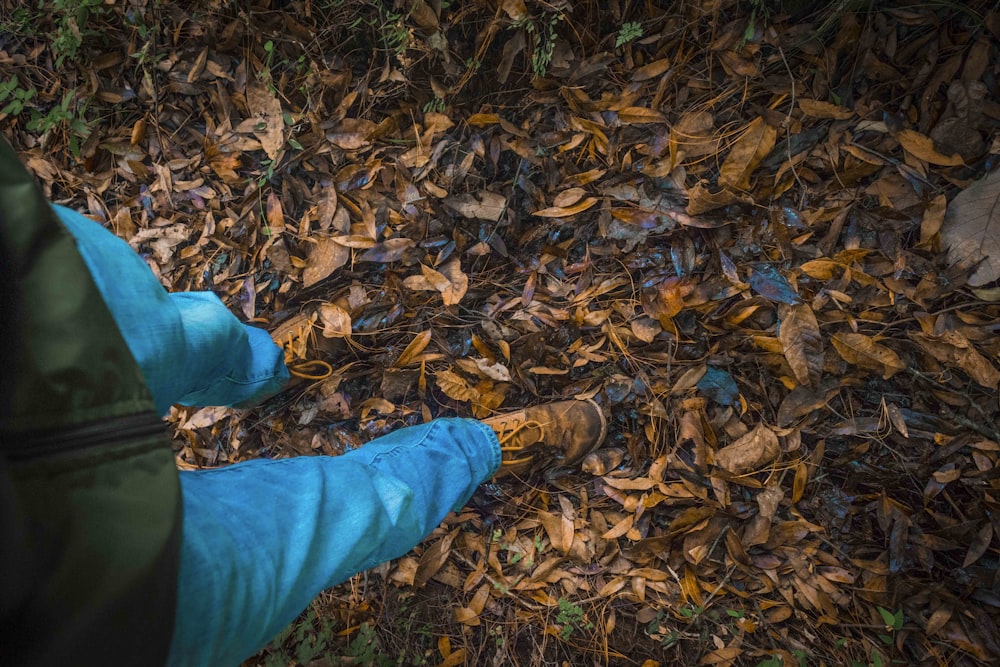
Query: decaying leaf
point(325, 257)
point(748, 151)
point(485, 206)
point(860, 350)
point(922, 146)
point(753, 451)
point(971, 229)
point(954, 349)
point(449, 281)
point(269, 129)
point(800, 338)
point(336, 321)
point(566, 211)
point(455, 387)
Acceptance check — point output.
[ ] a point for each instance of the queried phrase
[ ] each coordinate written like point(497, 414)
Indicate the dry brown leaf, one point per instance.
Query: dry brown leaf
point(862, 351)
point(205, 417)
point(265, 108)
point(415, 347)
point(458, 282)
point(820, 109)
point(938, 619)
point(562, 212)
point(651, 70)
point(921, 146)
point(569, 197)
point(434, 558)
point(754, 450)
point(638, 115)
point(801, 341)
point(980, 543)
point(455, 387)
point(954, 349)
point(753, 146)
point(722, 656)
point(971, 229)
point(694, 135)
point(336, 321)
point(802, 400)
point(645, 329)
point(325, 257)
point(933, 218)
point(488, 205)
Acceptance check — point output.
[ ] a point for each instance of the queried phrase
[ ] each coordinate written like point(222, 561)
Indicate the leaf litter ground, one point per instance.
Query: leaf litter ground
point(729, 223)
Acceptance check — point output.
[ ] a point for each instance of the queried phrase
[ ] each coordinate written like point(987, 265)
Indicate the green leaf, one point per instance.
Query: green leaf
point(887, 616)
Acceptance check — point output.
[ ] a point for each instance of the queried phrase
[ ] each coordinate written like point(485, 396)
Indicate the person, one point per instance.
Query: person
point(114, 555)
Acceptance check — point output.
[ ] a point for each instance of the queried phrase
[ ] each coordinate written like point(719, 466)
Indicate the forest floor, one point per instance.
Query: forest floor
point(759, 236)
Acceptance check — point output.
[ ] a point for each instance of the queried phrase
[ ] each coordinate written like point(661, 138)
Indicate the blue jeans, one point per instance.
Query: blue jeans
point(262, 538)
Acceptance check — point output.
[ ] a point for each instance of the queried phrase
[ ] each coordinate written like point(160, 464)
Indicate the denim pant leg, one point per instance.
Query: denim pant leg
point(263, 538)
point(192, 350)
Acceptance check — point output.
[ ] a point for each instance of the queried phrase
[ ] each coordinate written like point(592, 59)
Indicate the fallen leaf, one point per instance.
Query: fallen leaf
point(336, 321)
point(860, 350)
point(562, 212)
point(270, 129)
point(820, 109)
point(954, 349)
point(770, 284)
point(980, 543)
point(390, 250)
point(971, 229)
point(921, 146)
point(800, 338)
point(754, 450)
point(746, 154)
point(488, 205)
point(455, 387)
point(415, 347)
point(569, 197)
point(434, 558)
point(325, 257)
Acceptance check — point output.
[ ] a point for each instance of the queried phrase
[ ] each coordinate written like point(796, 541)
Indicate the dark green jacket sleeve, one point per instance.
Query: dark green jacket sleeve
point(89, 495)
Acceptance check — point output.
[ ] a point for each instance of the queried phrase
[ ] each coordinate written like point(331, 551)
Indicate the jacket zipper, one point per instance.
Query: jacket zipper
point(38, 444)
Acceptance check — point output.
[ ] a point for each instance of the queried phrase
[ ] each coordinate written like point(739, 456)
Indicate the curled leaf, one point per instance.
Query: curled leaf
point(754, 450)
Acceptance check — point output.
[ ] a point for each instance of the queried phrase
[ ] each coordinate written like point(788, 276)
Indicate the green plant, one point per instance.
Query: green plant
point(71, 18)
point(570, 617)
point(893, 623)
point(366, 648)
point(436, 104)
point(20, 96)
point(630, 30)
point(543, 39)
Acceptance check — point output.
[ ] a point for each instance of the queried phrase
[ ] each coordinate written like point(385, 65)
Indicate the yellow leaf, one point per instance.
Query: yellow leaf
point(922, 147)
point(454, 387)
point(562, 212)
point(636, 115)
point(416, 346)
point(820, 109)
point(619, 529)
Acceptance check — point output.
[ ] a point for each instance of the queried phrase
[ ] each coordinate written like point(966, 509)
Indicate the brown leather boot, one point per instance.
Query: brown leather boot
point(564, 430)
